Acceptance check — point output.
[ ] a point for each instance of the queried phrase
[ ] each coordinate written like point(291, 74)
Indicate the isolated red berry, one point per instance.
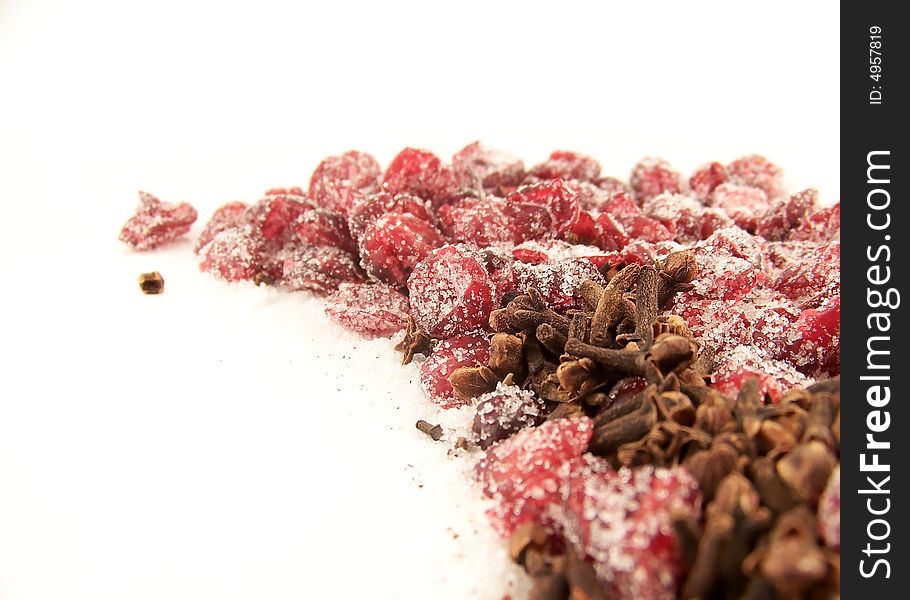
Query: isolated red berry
point(232, 214)
point(653, 176)
point(478, 167)
point(156, 223)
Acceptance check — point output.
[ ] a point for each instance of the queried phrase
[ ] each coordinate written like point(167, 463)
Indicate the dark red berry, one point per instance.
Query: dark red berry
point(706, 178)
point(813, 279)
point(454, 353)
point(232, 214)
point(234, 254)
point(393, 245)
point(775, 376)
point(505, 411)
point(543, 210)
point(566, 165)
point(372, 310)
point(358, 170)
point(756, 171)
point(477, 167)
point(786, 214)
point(822, 226)
point(370, 208)
point(419, 173)
point(747, 206)
point(686, 218)
point(156, 223)
point(451, 292)
point(320, 269)
point(653, 176)
point(321, 227)
point(273, 217)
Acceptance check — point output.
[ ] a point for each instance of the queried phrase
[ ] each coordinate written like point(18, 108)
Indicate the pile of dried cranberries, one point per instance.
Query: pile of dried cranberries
point(652, 364)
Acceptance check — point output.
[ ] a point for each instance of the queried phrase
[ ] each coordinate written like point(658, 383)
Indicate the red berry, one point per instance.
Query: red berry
point(567, 165)
point(420, 173)
point(634, 222)
point(451, 292)
point(611, 185)
point(358, 170)
point(393, 245)
point(781, 255)
point(718, 324)
point(829, 512)
point(612, 235)
point(756, 171)
point(623, 522)
point(813, 343)
point(558, 282)
point(686, 218)
point(321, 227)
point(733, 241)
point(747, 206)
point(232, 214)
point(234, 254)
point(372, 310)
point(584, 231)
point(156, 223)
point(775, 377)
point(822, 226)
point(482, 222)
point(706, 178)
point(454, 353)
point(653, 176)
point(320, 270)
point(525, 473)
point(786, 214)
point(273, 217)
point(368, 209)
point(338, 196)
point(543, 210)
point(477, 167)
point(813, 279)
point(505, 411)
point(590, 196)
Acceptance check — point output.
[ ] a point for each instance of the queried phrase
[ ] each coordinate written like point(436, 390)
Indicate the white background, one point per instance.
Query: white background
point(227, 442)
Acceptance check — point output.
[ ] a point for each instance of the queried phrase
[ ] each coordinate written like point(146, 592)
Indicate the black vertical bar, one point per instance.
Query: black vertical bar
point(873, 68)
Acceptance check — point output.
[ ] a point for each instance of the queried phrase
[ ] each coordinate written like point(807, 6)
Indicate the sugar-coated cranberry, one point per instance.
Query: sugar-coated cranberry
point(746, 205)
point(612, 235)
point(706, 178)
point(563, 164)
point(478, 167)
point(419, 173)
point(549, 207)
point(822, 226)
point(320, 269)
point(786, 213)
point(352, 171)
point(234, 254)
point(686, 218)
point(775, 376)
point(584, 231)
point(338, 196)
point(755, 170)
point(454, 353)
point(483, 222)
point(814, 278)
point(156, 223)
point(372, 310)
point(505, 411)
point(393, 245)
point(611, 185)
point(813, 344)
point(232, 214)
point(273, 216)
point(653, 176)
point(623, 522)
point(525, 473)
point(557, 282)
point(321, 227)
point(368, 209)
point(451, 292)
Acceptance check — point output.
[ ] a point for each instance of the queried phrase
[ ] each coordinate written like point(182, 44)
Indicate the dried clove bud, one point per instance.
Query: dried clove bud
point(151, 283)
point(434, 431)
point(806, 470)
point(470, 382)
point(507, 356)
point(414, 342)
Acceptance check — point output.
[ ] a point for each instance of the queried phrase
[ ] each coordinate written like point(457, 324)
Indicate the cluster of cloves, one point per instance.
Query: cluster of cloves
point(643, 379)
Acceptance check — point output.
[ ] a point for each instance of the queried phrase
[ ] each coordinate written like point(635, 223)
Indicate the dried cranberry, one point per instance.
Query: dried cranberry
point(590, 197)
point(372, 310)
point(505, 411)
point(478, 167)
point(393, 245)
point(813, 343)
point(558, 282)
point(685, 217)
point(566, 165)
point(524, 473)
point(320, 270)
point(653, 176)
point(634, 222)
point(623, 522)
point(370, 208)
point(232, 214)
point(612, 235)
point(354, 170)
point(559, 204)
point(822, 226)
point(419, 173)
point(451, 292)
point(273, 216)
point(321, 227)
point(338, 196)
point(747, 206)
point(775, 376)
point(733, 241)
point(611, 185)
point(706, 178)
point(756, 171)
point(813, 279)
point(454, 353)
point(156, 223)
point(234, 254)
point(786, 214)
point(482, 222)
point(584, 231)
